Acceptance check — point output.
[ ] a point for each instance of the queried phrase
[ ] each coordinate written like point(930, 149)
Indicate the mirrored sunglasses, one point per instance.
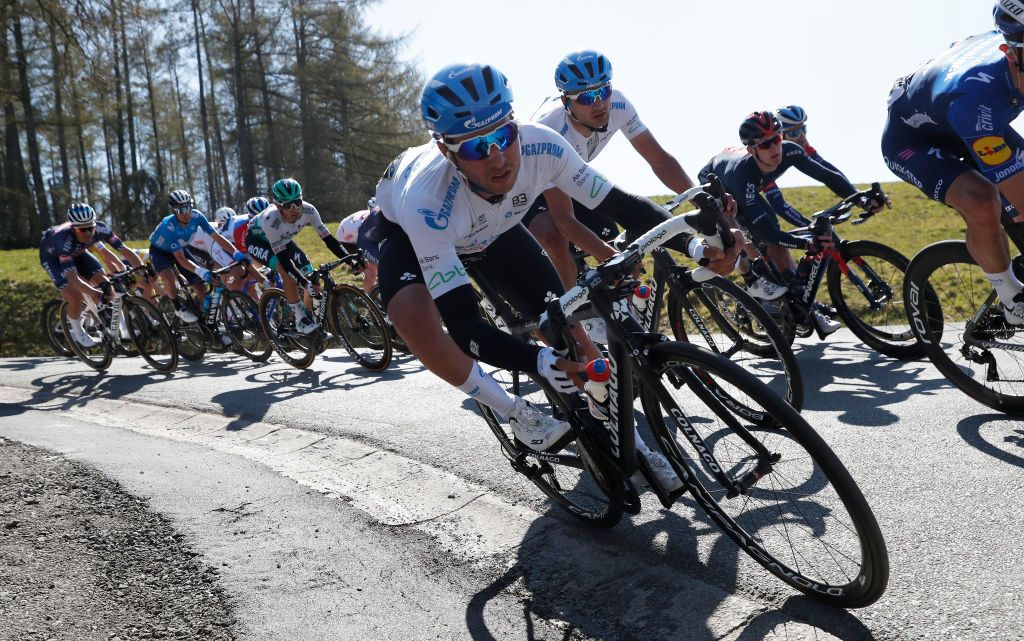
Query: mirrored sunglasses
point(770, 142)
point(591, 96)
point(479, 147)
point(795, 132)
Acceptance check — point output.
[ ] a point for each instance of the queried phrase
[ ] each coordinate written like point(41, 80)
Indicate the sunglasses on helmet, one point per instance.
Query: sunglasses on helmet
point(768, 143)
point(591, 96)
point(479, 147)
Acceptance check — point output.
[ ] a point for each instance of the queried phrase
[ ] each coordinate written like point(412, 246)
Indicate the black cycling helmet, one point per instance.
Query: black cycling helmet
point(759, 126)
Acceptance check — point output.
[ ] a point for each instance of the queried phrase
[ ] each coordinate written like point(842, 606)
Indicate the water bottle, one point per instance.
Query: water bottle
point(596, 387)
point(641, 297)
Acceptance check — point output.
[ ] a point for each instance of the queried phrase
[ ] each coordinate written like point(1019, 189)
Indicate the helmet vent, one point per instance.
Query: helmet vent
point(450, 96)
point(470, 86)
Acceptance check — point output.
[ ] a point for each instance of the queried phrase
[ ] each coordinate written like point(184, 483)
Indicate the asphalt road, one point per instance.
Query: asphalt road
point(940, 471)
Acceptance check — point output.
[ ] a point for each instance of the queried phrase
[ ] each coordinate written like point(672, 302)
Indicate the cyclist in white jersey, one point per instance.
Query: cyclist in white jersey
point(465, 192)
point(269, 241)
point(352, 234)
point(588, 112)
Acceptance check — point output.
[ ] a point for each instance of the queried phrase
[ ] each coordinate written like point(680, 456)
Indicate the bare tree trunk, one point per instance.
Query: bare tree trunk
point(112, 211)
point(308, 127)
point(128, 93)
point(210, 185)
point(152, 115)
point(183, 150)
point(246, 160)
point(118, 112)
point(271, 155)
point(215, 116)
point(83, 164)
point(16, 203)
point(43, 220)
point(58, 107)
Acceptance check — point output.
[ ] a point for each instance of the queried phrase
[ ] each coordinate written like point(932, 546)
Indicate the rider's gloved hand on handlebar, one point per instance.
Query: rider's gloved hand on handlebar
point(204, 274)
point(723, 261)
point(875, 205)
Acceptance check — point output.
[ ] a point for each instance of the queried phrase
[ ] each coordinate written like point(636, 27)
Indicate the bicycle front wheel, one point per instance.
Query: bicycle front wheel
point(579, 478)
point(100, 355)
point(150, 334)
point(53, 330)
point(868, 296)
point(189, 338)
point(944, 291)
point(799, 513)
point(278, 323)
point(240, 318)
point(729, 321)
point(360, 325)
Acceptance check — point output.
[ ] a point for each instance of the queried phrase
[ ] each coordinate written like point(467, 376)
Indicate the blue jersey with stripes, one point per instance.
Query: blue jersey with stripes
point(966, 98)
point(61, 243)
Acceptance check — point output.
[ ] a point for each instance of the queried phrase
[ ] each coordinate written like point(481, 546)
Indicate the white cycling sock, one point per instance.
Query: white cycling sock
point(76, 324)
point(1006, 284)
point(482, 387)
point(298, 309)
point(640, 445)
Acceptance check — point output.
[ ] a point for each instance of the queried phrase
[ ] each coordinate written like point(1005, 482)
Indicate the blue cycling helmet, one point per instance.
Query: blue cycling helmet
point(1009, 18)
point(791, 116)
point(463, 99)
point(255, 205)
point(81, 215)
point(582, 70)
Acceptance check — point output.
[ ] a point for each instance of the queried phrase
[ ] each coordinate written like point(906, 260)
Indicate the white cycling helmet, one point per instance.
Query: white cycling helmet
point(223, 215)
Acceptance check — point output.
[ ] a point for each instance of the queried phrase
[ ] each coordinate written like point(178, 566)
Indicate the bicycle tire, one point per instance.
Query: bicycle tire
point(49, 323)
point(357, 320)
point(240, 318)
point(396, 340)
point(589, 487)
point(747, 334)
point(150, 334)
point(100, 355)
point(801, 515)
point(278, 323)
point(887, 329)
point(189, 338)
point(944, 289)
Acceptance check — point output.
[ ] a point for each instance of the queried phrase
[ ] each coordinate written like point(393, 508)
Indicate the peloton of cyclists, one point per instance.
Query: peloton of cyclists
point(948, 133)
point(467, 191)
point(64, 255)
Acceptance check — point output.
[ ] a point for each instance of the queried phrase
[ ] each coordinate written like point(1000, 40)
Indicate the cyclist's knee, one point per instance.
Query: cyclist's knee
point(976, 199)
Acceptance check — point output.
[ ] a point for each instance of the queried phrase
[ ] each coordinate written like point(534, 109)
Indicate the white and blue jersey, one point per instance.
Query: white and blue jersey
point(953, 114)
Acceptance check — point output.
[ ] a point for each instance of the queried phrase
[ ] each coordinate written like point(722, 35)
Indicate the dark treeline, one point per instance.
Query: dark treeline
point(115, 102)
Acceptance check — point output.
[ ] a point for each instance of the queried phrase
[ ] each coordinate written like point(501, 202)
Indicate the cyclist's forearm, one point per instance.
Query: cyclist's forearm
point(334, 245)
point(581, 235)
point(478, 338)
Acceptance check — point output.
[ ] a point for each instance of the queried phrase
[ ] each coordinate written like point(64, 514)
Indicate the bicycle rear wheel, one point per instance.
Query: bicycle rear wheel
point(944, 290)
point(240, 318)
point(150, 334)
point(98, 356)
point(53, 330)
point(877, 315)
point(804, 519)
point(719, 314)
point(278, 323)
point(360, 325)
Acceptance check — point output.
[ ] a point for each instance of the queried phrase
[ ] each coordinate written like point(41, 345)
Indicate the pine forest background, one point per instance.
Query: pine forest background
point(115, 102)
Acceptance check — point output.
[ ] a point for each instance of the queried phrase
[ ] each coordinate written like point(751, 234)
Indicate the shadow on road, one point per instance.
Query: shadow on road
point(998, 435)
point(861, 382)
point(636, 582)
